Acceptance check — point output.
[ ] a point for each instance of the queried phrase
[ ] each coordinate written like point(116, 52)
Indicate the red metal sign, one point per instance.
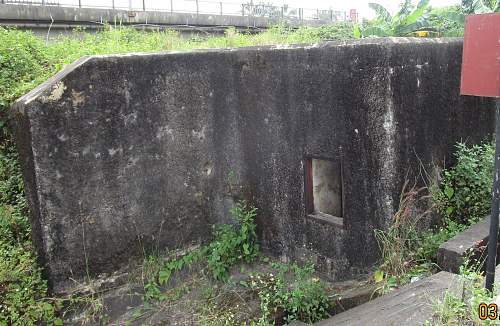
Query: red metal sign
point(353, 15)
point(481, 56)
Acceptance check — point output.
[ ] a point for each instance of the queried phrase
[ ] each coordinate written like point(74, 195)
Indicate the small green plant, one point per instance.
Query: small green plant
point(294, 291)
point(88, 307)
point(464, 195)
point(430, 240)
point(22, 289)
point(176, 264)
point(451, 310)
point(231, 244)
point(153, 292)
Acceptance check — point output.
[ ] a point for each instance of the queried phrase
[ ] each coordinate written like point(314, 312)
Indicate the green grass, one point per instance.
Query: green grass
point(26, 60)
point(22, 289)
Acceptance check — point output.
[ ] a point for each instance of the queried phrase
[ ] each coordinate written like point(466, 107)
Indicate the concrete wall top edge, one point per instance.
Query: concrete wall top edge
point(388, 42)
point(32, 95)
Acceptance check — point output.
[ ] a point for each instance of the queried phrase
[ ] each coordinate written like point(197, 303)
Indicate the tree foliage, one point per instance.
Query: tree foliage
point(450, 21)
point(409, 19)
point(470, 7)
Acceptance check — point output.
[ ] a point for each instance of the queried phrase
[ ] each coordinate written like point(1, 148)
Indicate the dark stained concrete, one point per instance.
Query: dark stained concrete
point(130, 152)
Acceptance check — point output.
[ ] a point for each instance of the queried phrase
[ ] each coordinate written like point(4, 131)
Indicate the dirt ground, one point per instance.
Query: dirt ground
point(193, 298)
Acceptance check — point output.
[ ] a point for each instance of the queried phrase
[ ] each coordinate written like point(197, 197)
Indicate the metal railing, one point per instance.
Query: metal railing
point(198, 7)
point(29, 2)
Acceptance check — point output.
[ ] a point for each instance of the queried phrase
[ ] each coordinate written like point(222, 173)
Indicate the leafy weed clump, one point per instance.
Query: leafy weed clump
point(231, 244)
point(464, 195)
point(293, 293)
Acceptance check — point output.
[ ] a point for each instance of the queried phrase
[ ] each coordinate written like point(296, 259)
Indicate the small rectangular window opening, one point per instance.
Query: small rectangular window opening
point(323, 186)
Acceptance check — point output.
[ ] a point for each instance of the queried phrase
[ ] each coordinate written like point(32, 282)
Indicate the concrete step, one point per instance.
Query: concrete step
point(410, 305)
point(354, 296)
point(451, 253)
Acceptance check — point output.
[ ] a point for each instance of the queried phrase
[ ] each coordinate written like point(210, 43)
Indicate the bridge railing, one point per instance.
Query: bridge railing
point(198, 7)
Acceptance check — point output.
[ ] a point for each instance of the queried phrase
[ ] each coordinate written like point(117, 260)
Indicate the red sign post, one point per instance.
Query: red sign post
point(481, 77)
point(481, 58)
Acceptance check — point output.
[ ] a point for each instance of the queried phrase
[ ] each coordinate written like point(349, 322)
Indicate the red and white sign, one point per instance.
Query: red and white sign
point(481, 56)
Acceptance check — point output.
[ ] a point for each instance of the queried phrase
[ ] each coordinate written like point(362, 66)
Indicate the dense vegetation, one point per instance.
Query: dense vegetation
point(26, 61)
point(423, 20)
point(461, 197)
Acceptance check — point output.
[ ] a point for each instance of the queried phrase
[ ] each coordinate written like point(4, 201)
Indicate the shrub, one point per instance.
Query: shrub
point(22, 289)
point(233, 244)
point(23, 64)
point(294, 292)
point(430, 241)
point(464, 195)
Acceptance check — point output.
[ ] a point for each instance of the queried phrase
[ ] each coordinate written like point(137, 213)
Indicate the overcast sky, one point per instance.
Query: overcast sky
point(212, 6)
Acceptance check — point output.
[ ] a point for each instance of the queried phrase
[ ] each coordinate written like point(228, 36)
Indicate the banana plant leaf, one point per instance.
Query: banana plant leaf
point(422, 7)
point(382, 13)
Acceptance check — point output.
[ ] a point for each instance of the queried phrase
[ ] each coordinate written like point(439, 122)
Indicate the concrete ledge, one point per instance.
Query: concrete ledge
point(410, 305)
point(451, 253)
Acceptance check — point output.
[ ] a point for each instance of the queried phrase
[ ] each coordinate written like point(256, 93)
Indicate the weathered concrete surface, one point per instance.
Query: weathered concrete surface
point(297, 323)
point(410, 305)
point(127, 152)
point(354, 297)
point(450, 254)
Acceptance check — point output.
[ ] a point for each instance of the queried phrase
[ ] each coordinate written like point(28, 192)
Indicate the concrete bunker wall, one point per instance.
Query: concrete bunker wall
point(127, 152)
